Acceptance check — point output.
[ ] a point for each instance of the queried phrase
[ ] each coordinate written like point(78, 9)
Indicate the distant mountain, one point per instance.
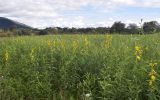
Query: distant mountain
point(6, 23)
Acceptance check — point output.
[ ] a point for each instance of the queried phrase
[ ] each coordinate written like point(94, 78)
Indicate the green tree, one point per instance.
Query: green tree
point(43, 32)
point(117, 27)
point(132, 29)
point(150, 27)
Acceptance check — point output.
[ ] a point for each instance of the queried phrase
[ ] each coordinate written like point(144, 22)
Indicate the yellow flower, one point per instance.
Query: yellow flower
point(19, 40)
point(137, 48)
point(49, 43)
point(138, 58)
point(86, 42)
point(153, 64)
point(6, 56)
point(108, 41)
point(138, 52)
point(32, 55)
point(75, 46)
point(153, 78)
point(153, 72)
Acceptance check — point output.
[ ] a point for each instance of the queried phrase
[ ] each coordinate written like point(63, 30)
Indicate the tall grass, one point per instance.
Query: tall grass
point(80, 67)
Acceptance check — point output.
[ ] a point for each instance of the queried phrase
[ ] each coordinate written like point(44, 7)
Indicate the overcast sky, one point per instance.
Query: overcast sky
point(79, 13)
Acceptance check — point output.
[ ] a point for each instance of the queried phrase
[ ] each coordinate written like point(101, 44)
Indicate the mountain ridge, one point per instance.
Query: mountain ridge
point(6, 23)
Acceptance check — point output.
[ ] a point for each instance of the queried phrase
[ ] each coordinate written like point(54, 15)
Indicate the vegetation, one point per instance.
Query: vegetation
point(151, 27)
point(80, 67)
point(117, 27)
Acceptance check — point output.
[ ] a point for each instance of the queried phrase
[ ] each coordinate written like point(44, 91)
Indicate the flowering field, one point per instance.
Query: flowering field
point(80, 67)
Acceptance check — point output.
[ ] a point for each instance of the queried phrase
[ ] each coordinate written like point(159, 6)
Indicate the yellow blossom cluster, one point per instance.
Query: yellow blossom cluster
point(18, 40)
point(49, 43)
point(86, 42)
point(32, 55)
point(74, 46)
point(152, 74)
point(108, 41)
point(6, 56)
point(138, 52)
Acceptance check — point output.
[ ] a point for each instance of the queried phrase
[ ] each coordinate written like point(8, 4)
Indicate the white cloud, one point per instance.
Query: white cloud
point(127, 22)
point(158, 19)
point(42, 13)
point(78, 21)
point(150, 3)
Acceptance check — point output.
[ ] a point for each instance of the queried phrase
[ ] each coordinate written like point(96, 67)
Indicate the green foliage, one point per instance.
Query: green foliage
point(78, 67)
point(151, 27)
point(133, 29)
point(117, 27)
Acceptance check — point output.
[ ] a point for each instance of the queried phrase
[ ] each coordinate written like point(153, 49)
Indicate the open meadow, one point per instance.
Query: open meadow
point(80, 67)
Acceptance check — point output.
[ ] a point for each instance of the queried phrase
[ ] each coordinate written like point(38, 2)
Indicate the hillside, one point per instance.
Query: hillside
point(6, 23)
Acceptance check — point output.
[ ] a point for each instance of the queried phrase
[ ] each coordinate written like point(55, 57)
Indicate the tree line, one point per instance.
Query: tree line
point(117, 28)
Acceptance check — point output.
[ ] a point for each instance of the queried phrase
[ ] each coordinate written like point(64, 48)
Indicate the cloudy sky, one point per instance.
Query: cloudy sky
point(79, 13)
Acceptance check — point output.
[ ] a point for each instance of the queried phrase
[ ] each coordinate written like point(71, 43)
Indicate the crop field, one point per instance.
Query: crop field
point(80, 67)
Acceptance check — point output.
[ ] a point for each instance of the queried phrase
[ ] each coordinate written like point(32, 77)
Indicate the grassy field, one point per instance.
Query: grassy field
point(80, 67)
